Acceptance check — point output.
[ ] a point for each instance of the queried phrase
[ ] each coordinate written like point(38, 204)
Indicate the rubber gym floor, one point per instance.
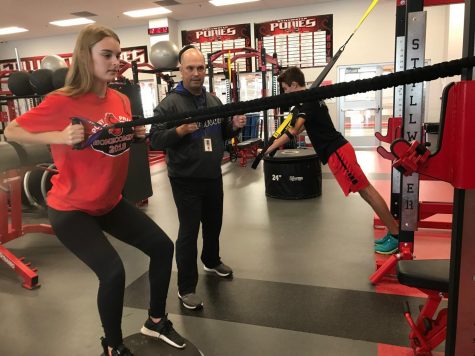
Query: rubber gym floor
point(300, 283)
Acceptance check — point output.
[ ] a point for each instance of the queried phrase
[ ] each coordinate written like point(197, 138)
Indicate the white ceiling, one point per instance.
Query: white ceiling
point(35, 15)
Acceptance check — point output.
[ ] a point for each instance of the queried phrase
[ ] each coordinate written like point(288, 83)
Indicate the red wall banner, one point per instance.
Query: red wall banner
point(213, 39)
point(216, 34)
point(301, 41)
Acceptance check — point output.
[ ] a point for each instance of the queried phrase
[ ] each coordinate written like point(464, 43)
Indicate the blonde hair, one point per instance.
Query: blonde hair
point(80, 78)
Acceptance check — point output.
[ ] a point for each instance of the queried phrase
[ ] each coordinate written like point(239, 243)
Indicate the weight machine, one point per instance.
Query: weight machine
point(251, 134)
point(453, 163)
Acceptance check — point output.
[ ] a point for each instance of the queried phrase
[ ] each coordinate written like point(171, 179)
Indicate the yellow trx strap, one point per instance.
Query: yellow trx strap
point(229, 64)
point(283, 126)
point(370, 8)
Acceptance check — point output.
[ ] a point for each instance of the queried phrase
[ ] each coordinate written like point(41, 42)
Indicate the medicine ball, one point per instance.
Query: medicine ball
point(53, 62)
point(42, 81)
point(59, 77)
point(19, 83)
point(164, 55)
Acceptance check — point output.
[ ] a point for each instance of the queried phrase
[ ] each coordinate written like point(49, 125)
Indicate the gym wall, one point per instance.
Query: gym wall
point(373, 43)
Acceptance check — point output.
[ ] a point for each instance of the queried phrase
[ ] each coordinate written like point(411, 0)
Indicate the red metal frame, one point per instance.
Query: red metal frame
point(11, 113)
point(124, 66)
point(426, 210)
point(433, 2)
point(10, 190)
point(452, 162)
point(248, 53)
point(406, 250)
point(394, 130)
point(423, 341)
point(247, 150)
point(442, 2)
point(245, 153)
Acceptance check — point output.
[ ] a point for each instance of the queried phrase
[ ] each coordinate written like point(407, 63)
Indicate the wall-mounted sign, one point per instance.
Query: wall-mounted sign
point(158, 30)
point(302, 41)
point(213, 39)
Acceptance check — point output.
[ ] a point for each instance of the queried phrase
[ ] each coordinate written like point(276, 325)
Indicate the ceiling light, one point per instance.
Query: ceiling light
point(72, 22)
point(147, 12)
point(229, 2)
point(10, 30)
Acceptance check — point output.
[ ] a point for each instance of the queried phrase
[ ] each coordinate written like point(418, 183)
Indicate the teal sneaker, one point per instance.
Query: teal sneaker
point(382, 239)
point(389, 247)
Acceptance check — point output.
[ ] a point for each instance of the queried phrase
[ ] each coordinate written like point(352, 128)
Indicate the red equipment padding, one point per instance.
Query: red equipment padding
point(453, 161)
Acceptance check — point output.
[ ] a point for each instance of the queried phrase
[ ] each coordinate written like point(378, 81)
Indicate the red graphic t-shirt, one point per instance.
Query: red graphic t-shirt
point(92, 179)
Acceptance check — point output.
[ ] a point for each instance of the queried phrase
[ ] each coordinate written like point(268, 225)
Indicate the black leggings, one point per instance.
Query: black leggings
point(83, 235)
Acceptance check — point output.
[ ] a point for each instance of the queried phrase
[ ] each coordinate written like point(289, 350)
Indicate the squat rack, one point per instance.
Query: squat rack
point(246, 52)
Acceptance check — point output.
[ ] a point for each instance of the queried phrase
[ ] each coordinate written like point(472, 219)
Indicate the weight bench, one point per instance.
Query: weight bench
point(247, 149)
point(432, 278)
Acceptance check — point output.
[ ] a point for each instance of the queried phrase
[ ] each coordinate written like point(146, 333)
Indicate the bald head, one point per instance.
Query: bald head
point(193, 70)
point(190, 54)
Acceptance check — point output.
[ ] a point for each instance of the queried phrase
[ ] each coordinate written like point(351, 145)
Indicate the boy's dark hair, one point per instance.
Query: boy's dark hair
point(292, 74)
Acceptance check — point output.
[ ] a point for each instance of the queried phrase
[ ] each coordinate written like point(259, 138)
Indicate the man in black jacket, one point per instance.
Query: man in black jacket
point(194, 154)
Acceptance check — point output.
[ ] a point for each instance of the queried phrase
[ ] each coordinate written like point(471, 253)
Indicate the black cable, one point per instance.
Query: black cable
point(411, 76)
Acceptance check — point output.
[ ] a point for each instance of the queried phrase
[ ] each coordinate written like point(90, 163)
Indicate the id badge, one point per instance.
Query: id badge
point(207, 144)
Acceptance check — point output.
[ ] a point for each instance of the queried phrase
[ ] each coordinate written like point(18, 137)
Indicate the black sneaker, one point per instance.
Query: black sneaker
point(120, 350)
point(163, 330)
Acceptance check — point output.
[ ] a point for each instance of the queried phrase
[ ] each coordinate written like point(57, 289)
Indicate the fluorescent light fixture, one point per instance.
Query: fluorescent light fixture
point(10, 30)
point(229, 2)
point(147, 12)
point(72, 22)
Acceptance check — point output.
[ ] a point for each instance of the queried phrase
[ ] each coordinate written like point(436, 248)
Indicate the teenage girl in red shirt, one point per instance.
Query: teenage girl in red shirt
point(85, 200)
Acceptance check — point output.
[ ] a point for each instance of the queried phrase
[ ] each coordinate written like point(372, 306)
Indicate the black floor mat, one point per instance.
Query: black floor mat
point(335, 312)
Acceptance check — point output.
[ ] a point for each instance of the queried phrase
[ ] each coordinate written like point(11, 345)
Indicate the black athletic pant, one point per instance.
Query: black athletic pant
point(83, 235)
point(197, 200)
